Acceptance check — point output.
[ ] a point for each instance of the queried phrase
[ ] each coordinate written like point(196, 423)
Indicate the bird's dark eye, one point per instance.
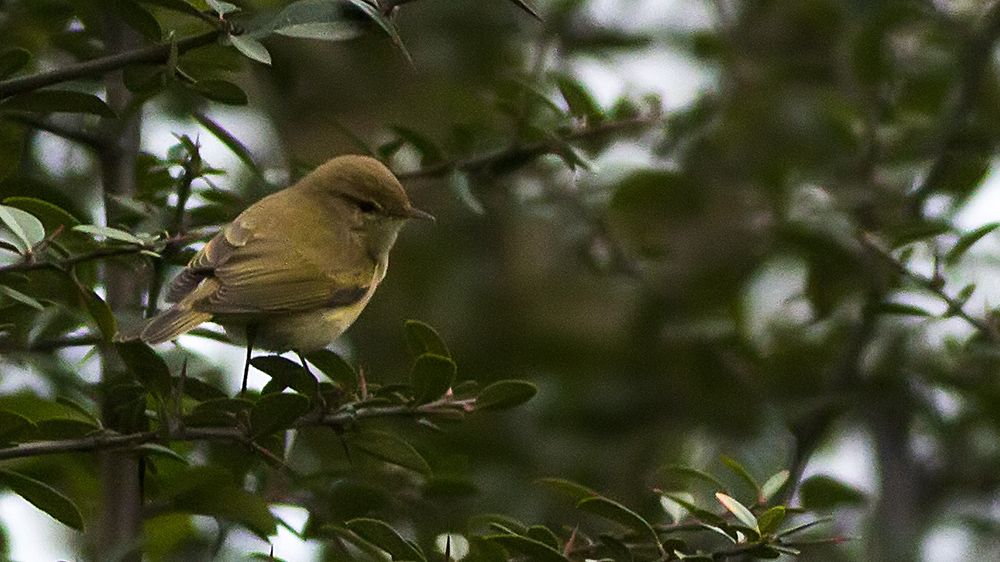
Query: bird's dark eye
point(367, 206)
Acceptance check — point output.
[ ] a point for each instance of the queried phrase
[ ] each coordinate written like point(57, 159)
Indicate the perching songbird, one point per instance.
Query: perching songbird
point(295, 269)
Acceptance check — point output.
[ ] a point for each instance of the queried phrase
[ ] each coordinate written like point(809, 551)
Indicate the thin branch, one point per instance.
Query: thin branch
point(66, 264)
point(86, 138)
point(931, 285)
point(526, 152)
point(149, 55)
point(975, 64)
point(342, 418)
point(7, 346)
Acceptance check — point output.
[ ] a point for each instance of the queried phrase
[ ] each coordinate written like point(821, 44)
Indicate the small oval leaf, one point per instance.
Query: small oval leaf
point(421, 339)
point(385, 537)
point(391, 449)
point(432, 376)
point(276, 412)
point(505, 394)
point(44, 497)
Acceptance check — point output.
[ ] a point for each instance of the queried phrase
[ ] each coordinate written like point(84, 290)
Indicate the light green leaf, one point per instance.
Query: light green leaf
point(109, 233)
point(222, 8)
point(251, 48)
point(315, 19)
point(24, 228)
point(774, 483)
point(967, 240)
point(771, 519)
point(44, 497)
point(745, 517)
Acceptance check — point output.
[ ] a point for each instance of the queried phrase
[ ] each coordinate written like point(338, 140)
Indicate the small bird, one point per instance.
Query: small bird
point(295, 269)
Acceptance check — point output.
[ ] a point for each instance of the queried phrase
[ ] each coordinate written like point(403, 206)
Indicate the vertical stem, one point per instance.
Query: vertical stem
point(120, 528)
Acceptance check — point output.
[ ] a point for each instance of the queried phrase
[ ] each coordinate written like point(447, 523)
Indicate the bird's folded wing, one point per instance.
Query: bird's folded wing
point(266, 274)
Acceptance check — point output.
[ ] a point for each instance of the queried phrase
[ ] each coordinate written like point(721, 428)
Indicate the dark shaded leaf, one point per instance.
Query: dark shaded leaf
point(100, 312)
point(199, 389)
point(614, 511)
point(385, 537)
point(505, 394)
point(527, 7)
point(230, 503)
point(336, 368)
point(580, 102)
point(572, 490)
point(448, 487)
point(672, 472)
point(391, 449)
point(823, 492)
point(11, 146)
point(384, 23)
point(64, 428)
point(20, 297)
point(421, 339)
point(157, 450)
point(537, 551)
point(14, 427)
point(147, 366)
point(698, 513)
point(44, 497)
point(429, 152)
point(138, 18)
point(276, 412)
point(222, 92)
point(738, 469)
point(284, 374)
point(175, 5)
point(13, 60)
point(902, 309)
point(432, 376)
point(57, 101)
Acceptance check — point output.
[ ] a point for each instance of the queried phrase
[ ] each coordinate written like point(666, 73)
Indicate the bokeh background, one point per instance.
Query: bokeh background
point(701, 287)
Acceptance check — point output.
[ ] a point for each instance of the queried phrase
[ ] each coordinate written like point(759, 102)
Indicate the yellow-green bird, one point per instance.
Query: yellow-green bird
point(295, 269)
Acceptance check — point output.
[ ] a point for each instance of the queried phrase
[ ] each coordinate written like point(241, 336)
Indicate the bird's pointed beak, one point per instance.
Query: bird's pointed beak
point(415, 213)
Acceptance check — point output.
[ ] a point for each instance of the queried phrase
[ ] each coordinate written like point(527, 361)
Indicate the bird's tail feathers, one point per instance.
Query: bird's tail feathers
point(171, 323)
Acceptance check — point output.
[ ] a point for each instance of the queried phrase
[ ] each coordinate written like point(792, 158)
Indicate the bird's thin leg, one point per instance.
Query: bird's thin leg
point(251, 334)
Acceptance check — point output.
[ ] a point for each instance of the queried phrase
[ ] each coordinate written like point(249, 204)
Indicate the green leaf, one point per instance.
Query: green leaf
point(505, 394)
point(391, 449)
point(823, 492)
point(421, 339)
point(284, 374)
point(572, 490)
point(543, 535)
point(109, 233)
point(57, 101)
point(20, 297)
point(614, 511)
point(252, 49)
point(44, 497)
point(774, 483)
point(11, 147)
point(535, 550)
point(51, 216)
point(221, 91)
point(581, 104)
point(336, 368)
point(14, 427)
point(967, 240)
point(698, 513)
point(138, 18)
point(100, 312)
point(744, 475)
point(20, 228)
point(157, 450)
point(384, 23)
point(148, 367)
point(276, 412)
point(230, 503)
point(804, 526)
point(743, 515)
point(13, 60)
point(315, 19)
point(385, 537)
point(53, 429)
point(231, 142)
point(771, 519)
point(902, 309)
point(432, 376)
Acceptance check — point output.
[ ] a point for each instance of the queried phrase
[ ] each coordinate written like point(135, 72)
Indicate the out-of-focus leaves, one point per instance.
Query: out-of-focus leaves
point(232, 143)
point(462, 188)
point(64, 428)
point(252, 49)
point(432, 376)
point(697, 512)
point(100, 312)
point(13, 427)
point(285, 374)
point(673, 476)
point(535, 550)
point(527, 7)
point(222, 8)
point(505, 394)
point(20, 297)
point(967, 240)
point(614, 511)
point(205, 491)
point(580, 102)
point(221, 91)
point(44, 497)
point(57, 101)
point(773, 484)
point(428, 150)
point(20, 228)
point(771, 519)
point(385, 537)
point(744, 475)
point(180, 6)
point(390, 448)
point(902, 309)
point(11, 145)
point(51, 216)
point(276, 412)
point(199, 390)
point(157, 450)
point(822, 492)
point(148, 367)
point(13, 60)
point(138, 18)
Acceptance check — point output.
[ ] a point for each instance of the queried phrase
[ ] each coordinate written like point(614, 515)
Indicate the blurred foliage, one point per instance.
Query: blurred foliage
point(779, 276)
